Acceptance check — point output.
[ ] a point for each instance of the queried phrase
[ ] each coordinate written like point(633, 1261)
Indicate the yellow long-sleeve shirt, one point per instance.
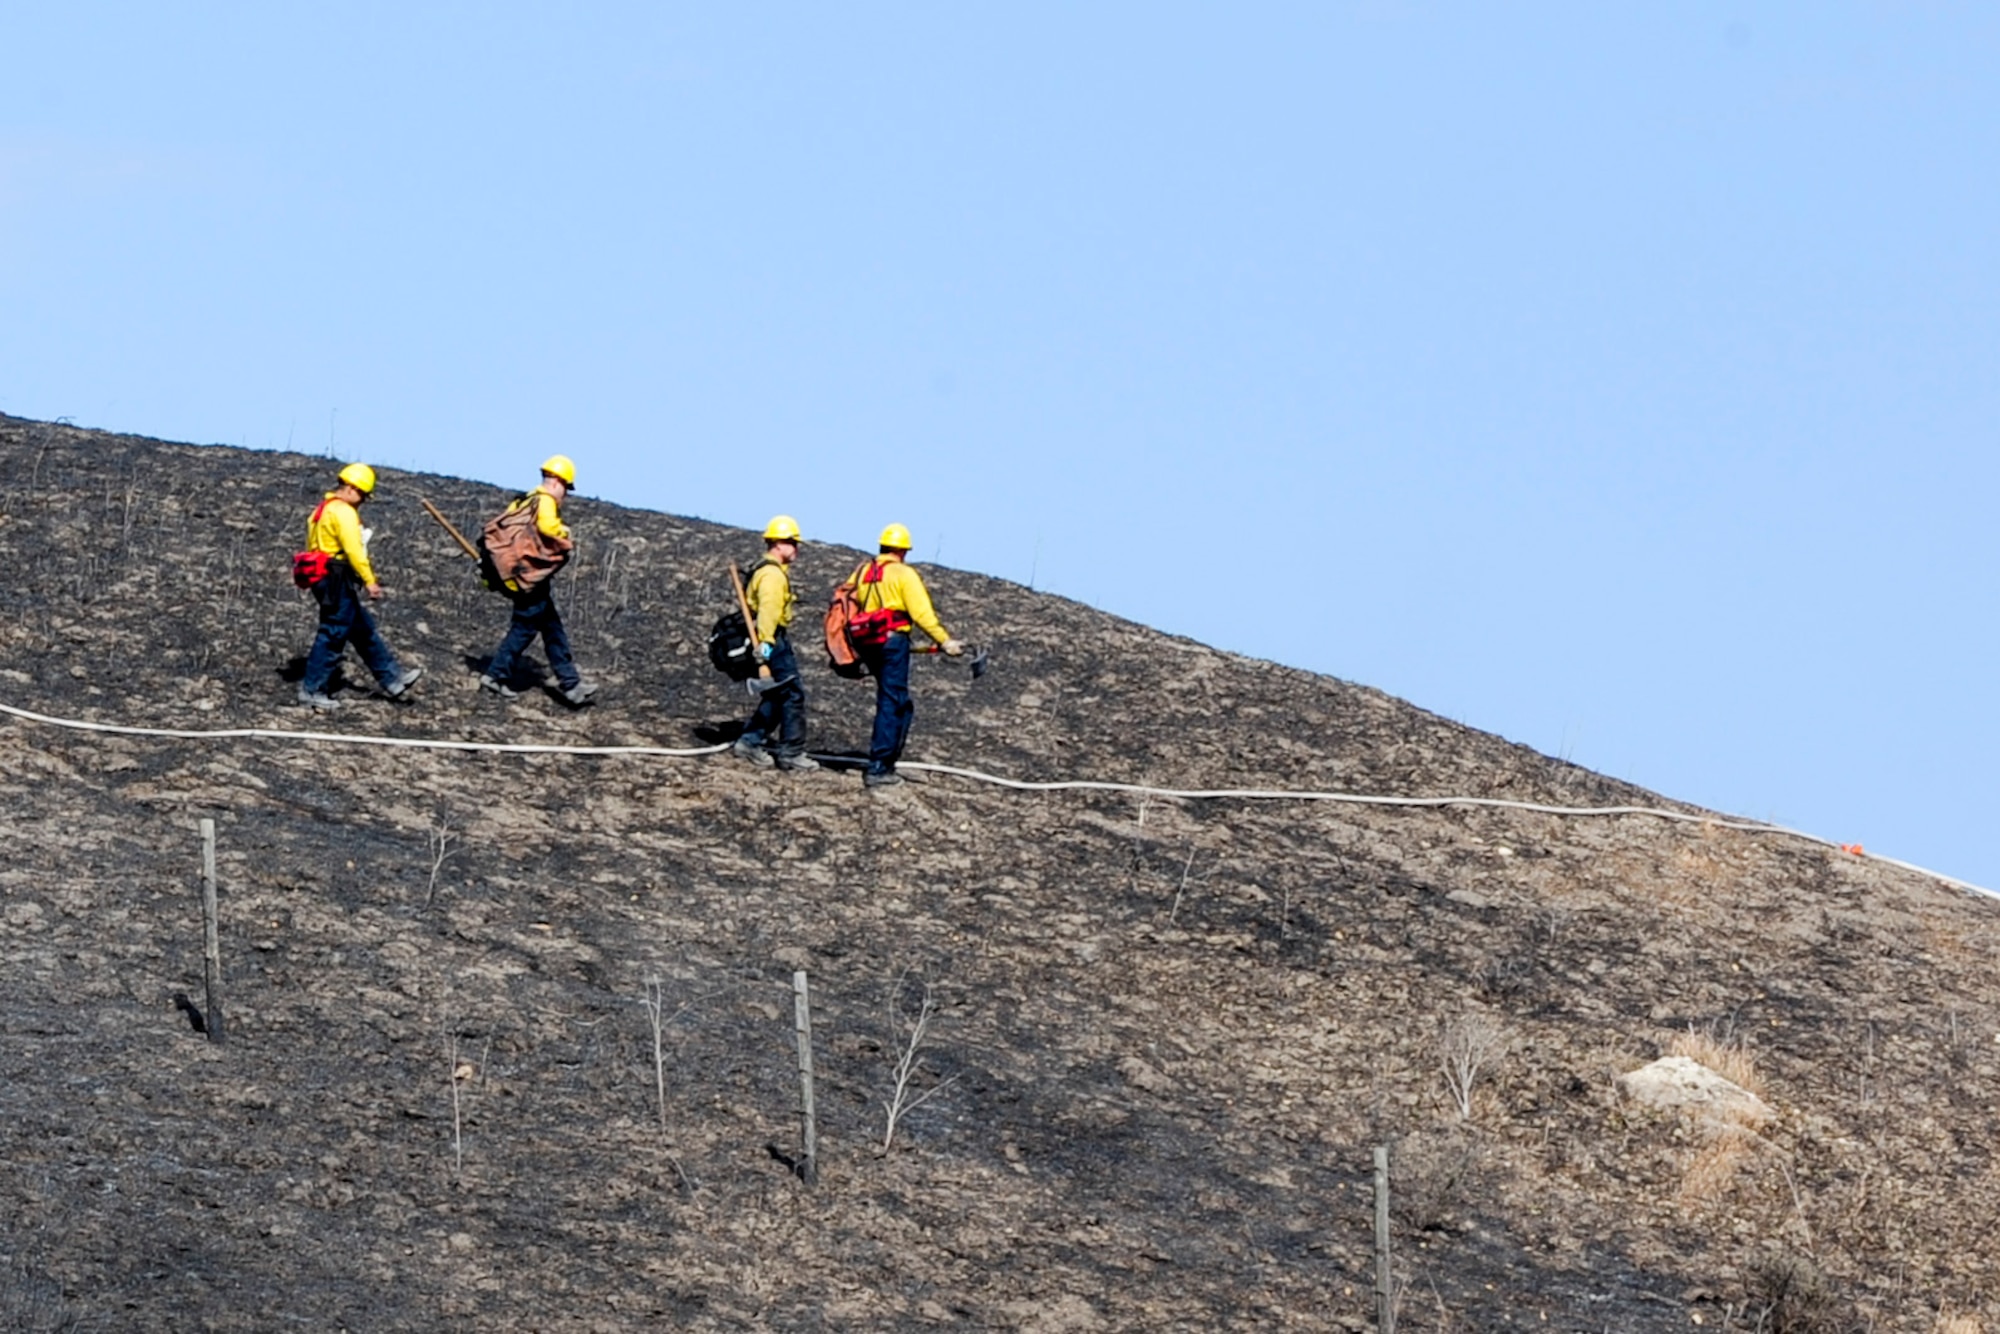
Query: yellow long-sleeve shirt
point(337, 532)
point(770, 597)
point(902, 589)
point(548, 513)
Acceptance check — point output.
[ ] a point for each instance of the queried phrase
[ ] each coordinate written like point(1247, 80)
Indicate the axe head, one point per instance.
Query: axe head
point(759, 686)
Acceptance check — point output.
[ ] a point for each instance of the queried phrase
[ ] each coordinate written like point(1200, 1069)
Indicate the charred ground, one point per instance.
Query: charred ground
point(1168, 1036)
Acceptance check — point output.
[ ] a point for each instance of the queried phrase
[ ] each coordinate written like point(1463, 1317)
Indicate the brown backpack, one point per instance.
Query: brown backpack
point(511, 547)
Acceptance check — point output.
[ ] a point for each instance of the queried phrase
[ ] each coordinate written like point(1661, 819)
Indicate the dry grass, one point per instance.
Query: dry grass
point(1729, 1059)
point(1700, 867)
point(1700, 871)
point(1713, 1169)
point(1957, 1324)
point(1950, 937)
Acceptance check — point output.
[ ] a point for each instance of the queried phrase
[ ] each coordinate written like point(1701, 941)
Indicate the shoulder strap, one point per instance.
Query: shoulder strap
point(521, 505)
point(868, 585)
point(750, 577)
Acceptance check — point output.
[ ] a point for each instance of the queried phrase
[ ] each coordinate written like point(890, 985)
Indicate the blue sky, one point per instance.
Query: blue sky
point(1619, 379)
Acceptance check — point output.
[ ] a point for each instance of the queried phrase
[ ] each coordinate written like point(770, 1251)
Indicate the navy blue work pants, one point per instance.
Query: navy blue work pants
point(343, 620)
point(894, 709)
point(780, 720)
point(535, 614)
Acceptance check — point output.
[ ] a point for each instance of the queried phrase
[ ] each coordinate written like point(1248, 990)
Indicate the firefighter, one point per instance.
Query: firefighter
point(337, 555)
point(892, 598)
point(527, 567)
point(776, 732)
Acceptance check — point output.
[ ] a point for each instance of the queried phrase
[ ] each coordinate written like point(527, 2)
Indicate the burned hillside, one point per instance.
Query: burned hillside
point(1164, 1036)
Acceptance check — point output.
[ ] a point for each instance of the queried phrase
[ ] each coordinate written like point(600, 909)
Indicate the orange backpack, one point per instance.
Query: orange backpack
point(840, 613)
point(849, 629)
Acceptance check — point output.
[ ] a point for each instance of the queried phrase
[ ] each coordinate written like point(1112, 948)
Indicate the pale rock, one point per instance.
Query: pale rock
point(1677, 1082)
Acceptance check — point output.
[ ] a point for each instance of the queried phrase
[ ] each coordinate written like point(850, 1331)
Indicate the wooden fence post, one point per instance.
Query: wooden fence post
point(1385, 1279)
point(808, 1124)
point(211, 934)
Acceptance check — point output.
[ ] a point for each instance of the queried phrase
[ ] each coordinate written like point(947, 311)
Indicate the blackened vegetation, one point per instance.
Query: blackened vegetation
point(1168, 1034)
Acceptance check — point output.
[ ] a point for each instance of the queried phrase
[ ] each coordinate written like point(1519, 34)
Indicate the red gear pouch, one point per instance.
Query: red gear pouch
point(309, 567)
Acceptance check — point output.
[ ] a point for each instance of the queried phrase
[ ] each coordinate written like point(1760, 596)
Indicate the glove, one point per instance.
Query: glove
point(764, 651)
point(953, 648)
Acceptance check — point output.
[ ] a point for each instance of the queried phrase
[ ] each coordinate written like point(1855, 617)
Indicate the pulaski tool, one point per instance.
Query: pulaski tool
point(761, 682)
point(975, 657)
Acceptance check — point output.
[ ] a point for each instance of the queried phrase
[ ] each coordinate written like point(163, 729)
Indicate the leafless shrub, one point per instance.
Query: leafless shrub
point(660, 1021)
point(459, 1072)
point(1468, 1047)
point(125, 522)
point(1789, 1295)
point(907, 1034)
point(441, 839)
point(1137, 859)
point(1444, 1321)
point(48, 435)
point(1958, 1041)
point(1865, 1081)
point(1507, 974)
point(1182, 887)
point(655, 1002)
point(1430, 1175)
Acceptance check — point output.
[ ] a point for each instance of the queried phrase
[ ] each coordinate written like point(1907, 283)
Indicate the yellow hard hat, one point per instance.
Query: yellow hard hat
point(897, 536)
point(784, 528)
point(359, 476)
point(558, 465)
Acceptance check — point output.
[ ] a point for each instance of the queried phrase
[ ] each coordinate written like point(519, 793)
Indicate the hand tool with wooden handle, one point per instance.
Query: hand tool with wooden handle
point(975, 658)
point(763, 681)
point(457, 536)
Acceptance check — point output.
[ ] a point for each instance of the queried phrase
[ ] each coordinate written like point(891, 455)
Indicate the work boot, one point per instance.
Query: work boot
point(317, 700)
point(889, 779)
point(496, 686)
point(400, 687)
point(797, 764)
point(752, 749)
point(580, 694)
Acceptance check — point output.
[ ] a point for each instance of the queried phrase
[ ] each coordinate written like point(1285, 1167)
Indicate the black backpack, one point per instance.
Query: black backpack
point(730, 646)
point(730, 649)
